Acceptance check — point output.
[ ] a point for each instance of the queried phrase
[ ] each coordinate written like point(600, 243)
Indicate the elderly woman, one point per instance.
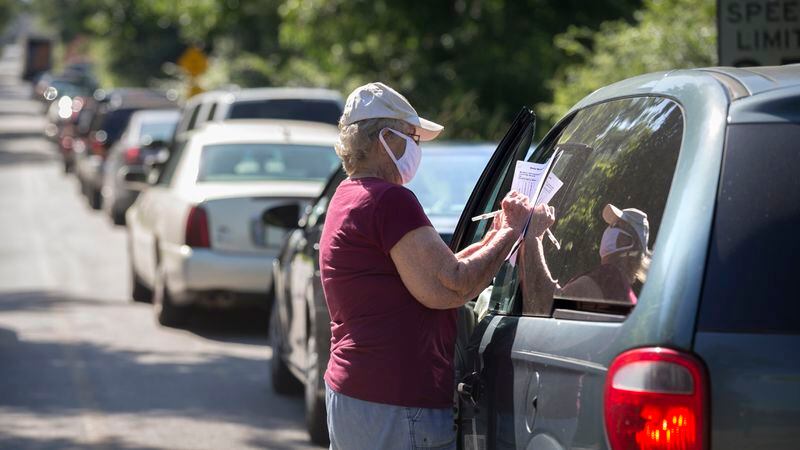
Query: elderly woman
point(392, 285)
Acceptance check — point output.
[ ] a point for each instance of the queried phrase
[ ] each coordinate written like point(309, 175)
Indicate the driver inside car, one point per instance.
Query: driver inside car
point(623, 251)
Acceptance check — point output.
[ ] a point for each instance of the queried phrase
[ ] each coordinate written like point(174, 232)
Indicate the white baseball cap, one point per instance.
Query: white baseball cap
point(635, 218)
point(379, 101)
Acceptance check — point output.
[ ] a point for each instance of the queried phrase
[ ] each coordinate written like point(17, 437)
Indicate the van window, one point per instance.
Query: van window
point(325, 111)
point(193, 118)
point(751, 277)
point(211, 112)
point(614, 163)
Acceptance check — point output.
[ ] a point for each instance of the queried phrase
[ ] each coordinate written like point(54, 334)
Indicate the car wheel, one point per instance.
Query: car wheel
point(95, 198)
point(167, 313)
point(316, 414)
point(283, 382)
point(139, 292)
point(117, 217)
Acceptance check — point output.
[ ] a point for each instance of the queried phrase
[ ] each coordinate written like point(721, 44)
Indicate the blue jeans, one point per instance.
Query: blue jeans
point(356, 424)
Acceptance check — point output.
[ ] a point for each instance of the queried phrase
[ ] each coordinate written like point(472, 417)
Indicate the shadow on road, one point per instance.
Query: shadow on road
point(44, 443)
point(42, 301)
point(49, 379)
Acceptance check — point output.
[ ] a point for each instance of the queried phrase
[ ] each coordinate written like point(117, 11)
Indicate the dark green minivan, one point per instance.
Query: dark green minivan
point(675, 322)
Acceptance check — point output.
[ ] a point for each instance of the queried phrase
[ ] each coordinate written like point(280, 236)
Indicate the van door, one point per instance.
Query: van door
point(535, 365)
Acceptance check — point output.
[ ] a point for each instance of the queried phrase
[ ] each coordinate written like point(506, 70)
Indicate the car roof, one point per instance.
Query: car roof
point(156, 114)
point(266, 131)
point(284, 93)
point(134, 98)
point(755, 87)
point(459, 146)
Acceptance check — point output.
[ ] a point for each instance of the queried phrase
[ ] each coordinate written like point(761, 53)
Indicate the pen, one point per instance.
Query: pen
point(494, 213)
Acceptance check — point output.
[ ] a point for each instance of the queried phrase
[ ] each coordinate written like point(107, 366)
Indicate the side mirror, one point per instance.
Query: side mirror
point(134, 180)
point(158, 143)
point(283, 216)
point(157, 159)
point(154, 164)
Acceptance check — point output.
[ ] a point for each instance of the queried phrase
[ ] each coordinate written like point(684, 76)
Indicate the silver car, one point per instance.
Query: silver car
point(196, 235)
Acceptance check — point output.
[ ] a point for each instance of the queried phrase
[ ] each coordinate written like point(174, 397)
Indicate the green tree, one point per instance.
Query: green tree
point(666, 34)
point(469, 64)
point(7, 10)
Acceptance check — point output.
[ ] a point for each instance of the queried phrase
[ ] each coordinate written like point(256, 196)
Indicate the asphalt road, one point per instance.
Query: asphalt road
point(81, 366)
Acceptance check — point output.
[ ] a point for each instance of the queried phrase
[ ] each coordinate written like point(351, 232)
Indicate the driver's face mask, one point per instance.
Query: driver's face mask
point(408, 164)
point(615, 240)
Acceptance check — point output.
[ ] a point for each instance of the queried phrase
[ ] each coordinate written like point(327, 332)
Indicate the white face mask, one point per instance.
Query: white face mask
point(609, 242)
point(408, 164)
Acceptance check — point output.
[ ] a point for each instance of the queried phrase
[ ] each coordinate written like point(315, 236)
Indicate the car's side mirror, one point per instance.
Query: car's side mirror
point(154, 164)
point(133, 179)
point(158, 143)
point(283, 216)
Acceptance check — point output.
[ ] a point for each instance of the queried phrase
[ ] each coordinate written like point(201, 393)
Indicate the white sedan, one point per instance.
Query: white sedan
point(196, 234)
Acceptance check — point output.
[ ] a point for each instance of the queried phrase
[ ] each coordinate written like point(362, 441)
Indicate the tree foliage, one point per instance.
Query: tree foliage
point(666, 34)
point(467, 63)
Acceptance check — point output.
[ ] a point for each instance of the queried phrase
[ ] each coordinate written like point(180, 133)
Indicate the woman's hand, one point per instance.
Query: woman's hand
point(543, 218)
point(516, 210)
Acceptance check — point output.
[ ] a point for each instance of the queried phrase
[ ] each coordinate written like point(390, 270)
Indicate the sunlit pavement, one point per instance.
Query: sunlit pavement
point(83, 367)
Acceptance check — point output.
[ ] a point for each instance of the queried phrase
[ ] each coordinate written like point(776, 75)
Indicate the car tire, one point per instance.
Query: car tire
point(166, 312)
point(95, 198)
point(116, 216)
point(283, 382)
point(316, 413)
point(139, 292)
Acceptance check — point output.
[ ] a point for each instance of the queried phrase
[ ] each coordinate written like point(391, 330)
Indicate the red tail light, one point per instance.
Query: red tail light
point(655, 399)
point(197, 228)
point(132, 155)
point(97, 147)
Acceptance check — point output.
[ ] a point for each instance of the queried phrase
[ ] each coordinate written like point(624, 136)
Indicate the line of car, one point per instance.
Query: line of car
point(701, 360)
point(211, 194)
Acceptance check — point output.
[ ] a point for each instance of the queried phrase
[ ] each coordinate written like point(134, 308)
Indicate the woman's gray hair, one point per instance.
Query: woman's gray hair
point(356, 140)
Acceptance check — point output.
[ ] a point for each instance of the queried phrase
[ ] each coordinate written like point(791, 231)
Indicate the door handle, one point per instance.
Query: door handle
point(469, 389)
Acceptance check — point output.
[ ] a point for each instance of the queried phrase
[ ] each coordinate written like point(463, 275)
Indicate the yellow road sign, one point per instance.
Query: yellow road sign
point(193, 61)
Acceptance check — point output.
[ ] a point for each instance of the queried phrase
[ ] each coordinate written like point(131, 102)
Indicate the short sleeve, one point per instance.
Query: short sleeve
point(398, 212)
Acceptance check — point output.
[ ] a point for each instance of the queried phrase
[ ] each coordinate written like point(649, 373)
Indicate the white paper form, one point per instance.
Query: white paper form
point(527, 176)
point(528, 181)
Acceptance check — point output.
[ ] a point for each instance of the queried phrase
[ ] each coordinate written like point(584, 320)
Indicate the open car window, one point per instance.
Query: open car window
point(615, 167)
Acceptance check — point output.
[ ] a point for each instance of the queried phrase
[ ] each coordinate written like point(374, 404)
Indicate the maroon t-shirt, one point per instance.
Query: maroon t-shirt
point(386, 347)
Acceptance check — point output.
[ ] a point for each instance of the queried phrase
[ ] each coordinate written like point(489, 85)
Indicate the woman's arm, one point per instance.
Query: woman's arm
point(538, 285)
point(497, 222)
point(441, 280)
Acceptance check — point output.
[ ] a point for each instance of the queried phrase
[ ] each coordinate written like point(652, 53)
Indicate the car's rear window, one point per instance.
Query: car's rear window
point(325, 111)
point(114, 123)
point(446, 178)
point(753, 268)
point(261, 162)
point(157, 130)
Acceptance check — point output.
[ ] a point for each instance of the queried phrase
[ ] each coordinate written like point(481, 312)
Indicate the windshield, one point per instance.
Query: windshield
point(446, 177)
point(262, 162)
point(325, 111)
point(114, 122)
point(152, 131)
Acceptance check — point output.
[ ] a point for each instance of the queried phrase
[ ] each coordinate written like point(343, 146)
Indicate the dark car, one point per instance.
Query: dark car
point(300, 326)
point(692, 344)
point(100, 125)
point(147, 134)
